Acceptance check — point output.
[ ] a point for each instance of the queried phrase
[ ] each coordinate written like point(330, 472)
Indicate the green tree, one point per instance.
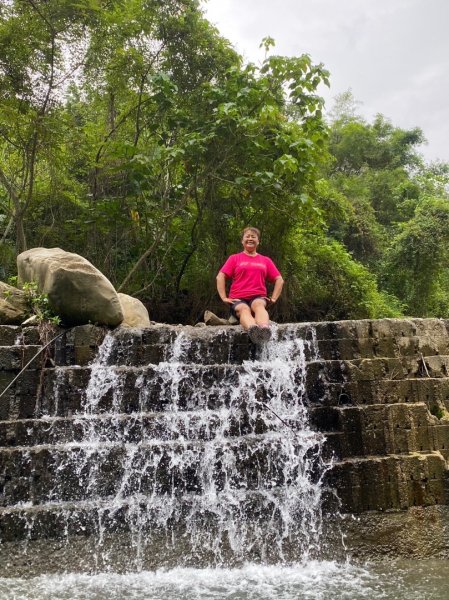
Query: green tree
point(326, 283)
point(416, 264)
point(234, 157)
point(375, 165)
point(40, 50)
point(132, 133)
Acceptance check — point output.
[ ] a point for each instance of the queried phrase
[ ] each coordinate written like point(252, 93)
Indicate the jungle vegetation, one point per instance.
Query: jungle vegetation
point(133, 134)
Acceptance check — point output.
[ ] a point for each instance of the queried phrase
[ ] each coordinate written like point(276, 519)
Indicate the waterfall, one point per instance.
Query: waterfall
point(190, 462)
point(230, 468)
point(187, 462)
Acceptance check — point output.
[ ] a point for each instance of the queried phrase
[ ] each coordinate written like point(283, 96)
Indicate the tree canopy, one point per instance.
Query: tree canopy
point(132, 133)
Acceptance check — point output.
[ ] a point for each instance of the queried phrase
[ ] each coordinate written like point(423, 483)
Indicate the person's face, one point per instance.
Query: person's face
point(250, 241)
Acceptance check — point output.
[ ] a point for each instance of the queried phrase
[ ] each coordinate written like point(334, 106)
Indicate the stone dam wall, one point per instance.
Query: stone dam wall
point(377, 389)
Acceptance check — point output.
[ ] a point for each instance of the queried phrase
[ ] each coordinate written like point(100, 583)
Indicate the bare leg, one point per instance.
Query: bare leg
point(261, 316)
point(246, 319)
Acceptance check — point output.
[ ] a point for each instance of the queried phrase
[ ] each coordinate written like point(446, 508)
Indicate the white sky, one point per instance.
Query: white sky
point(393, 54)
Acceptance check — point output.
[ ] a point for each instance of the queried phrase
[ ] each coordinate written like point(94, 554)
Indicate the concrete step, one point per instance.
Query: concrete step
point(394, 482)
point(381, 328)
point(237, 348)
point(62, 391)
point(374, 416)
point(335, 340)
point(65, 391)
point(158, 344)
point(357, 348)
point(14, 358)
point(350, 431)
point(434, 391)
point(373, 483)
point(11, 335)
point(381, 430)
point(156, 515)
point(232, 345)
point(140, 427)
point(376, 369)
point(19, 400)
point(364, 328)
point(40, 474)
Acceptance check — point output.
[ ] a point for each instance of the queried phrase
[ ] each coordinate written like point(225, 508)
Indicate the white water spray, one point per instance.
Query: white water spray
point(193, 463)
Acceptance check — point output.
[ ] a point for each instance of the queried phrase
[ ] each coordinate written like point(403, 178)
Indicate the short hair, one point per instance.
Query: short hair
point(254, 229)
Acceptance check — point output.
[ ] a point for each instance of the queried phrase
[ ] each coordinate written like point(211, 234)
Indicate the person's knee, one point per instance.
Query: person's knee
point(258, 305)
point(242, 309)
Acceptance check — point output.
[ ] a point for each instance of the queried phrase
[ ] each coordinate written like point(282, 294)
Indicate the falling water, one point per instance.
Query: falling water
point(230, 470)
point(191, 463)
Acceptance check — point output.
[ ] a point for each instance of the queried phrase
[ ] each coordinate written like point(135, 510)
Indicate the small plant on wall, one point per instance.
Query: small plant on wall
point(39, 304)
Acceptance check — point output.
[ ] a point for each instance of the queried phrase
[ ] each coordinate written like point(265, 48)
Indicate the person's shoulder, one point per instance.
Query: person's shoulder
point(269, 262)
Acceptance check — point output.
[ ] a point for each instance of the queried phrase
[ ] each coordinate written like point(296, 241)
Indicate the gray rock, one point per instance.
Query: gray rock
point(211, 318)
point(13, 305)
point(77, 292)
point(134, 312)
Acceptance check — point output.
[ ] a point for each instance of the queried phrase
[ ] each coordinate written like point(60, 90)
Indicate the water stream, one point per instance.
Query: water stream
point(229, 470)
point(402, 580)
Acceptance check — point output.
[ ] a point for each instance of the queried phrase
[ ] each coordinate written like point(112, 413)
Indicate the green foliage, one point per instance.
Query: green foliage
point(374, 166)
point(416, 263)
point(132, 133)
point(38, 304)
point(326, 283)
point(438, 411)
point(7, 260)
point(398, 224)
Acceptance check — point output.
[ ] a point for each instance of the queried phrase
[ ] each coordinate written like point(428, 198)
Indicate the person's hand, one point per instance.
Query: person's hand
point(229, 300)
point(271, 301)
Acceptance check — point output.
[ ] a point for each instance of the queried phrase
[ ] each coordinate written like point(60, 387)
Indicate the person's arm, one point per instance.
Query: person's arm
point(221, 288)
point(278, 285)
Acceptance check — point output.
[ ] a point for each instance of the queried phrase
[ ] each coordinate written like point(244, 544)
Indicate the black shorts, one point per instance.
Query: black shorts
point(247, 301)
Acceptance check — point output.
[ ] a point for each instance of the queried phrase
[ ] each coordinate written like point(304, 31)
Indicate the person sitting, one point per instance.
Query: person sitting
point(249, 271)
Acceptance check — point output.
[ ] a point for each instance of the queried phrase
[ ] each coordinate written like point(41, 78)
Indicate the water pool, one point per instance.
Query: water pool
point(398, 580)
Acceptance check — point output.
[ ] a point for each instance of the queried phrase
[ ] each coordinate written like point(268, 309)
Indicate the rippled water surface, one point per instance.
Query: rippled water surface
point(423, 580)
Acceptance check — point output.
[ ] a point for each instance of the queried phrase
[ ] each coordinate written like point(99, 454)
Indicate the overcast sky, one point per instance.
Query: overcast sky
point(393, 54)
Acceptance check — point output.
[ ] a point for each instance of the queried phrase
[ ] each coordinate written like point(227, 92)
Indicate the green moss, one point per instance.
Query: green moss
point(437, 411)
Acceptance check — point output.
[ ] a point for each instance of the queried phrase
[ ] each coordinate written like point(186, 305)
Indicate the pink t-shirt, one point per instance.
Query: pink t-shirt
point(248, 274)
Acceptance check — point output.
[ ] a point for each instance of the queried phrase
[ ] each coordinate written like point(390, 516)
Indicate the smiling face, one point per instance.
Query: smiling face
point(250, 241)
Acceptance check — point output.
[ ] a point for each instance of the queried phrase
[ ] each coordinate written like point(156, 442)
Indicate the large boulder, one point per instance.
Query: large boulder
point(14, 307)
point(134, 312)
point(77, 292)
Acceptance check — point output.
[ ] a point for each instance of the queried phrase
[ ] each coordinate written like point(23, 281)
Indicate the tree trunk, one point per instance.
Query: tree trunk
point(21, 241)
